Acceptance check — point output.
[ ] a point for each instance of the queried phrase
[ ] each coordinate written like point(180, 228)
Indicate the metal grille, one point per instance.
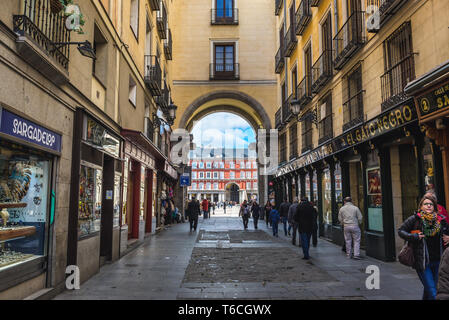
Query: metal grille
point(293, 141)
point(282, 148)
point(306, 133)
point(353, 98)
point(325, 119)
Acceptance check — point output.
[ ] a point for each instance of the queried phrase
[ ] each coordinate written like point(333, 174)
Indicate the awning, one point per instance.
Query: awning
point(140, 139)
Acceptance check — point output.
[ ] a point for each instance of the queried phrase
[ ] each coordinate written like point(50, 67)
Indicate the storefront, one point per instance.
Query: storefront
point(94, 229)
point(168, 177)
point(29, 154)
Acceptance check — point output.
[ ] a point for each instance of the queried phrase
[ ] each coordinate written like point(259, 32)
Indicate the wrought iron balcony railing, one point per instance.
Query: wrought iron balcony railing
point(154, 5)
point(303, 16)
point(278, 6)
point(322, 71)
point(304, 92)
point(315, 3)
point(161, 21)
point(286, 112)
point(387, 9)
point(290, 41)
point(353, 111)
point(224, 16)
point(168, 46)
point(394, 81)
point(149, 130)
point(153, 75)
point(279, 60)
point(44, 28)
point(278, 118)
point(163, 100)
point(349, 39)
point(224, 71)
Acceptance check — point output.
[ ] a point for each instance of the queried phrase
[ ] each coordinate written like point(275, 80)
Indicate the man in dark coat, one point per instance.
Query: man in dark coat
point(193, 210)
point(443, 277)
point(283, 212)
point(305, 215)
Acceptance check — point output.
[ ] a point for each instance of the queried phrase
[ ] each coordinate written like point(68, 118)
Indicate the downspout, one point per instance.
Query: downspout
point(336, 16)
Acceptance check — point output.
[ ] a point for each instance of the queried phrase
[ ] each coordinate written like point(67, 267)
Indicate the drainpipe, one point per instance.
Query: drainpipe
point(336, 16)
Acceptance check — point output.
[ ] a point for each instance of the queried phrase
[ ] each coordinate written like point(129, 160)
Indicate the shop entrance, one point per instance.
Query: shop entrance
point(232, 193)
point(107, 208)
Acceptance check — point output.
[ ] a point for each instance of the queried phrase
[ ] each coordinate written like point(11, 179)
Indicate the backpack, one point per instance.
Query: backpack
point(246, 211)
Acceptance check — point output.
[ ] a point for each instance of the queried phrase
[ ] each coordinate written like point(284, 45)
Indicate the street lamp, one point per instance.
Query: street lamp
point(295, 108)
point(172, 113)
point(85, 48)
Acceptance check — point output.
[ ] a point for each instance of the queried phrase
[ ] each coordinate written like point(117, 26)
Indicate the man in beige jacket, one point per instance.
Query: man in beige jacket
point(350, 217)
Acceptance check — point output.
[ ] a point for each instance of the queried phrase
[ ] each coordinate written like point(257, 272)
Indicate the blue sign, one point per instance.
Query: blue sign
point(185, 180)
point(26, 130)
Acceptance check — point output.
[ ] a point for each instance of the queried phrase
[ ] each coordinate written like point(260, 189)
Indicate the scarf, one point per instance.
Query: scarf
point(431, 224)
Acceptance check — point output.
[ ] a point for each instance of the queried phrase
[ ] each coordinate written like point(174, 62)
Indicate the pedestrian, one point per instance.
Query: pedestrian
point(224, 207)
point(208, 208)
point(424, 230)
point(350, 216)
point(193, 210)
point(245, 213)
point(268, 208)
point(255, 210)
point(315, 225)
point(274, 218)
point(291, 221)
point(205, 207)
point(213, 207)
point(305, 214)
point(283, 211)
point(443, 277)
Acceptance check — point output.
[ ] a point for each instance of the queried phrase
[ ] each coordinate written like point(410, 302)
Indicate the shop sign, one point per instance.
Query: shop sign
point(433, 101)
point(385, 122)
point(170, 170)
point(18, 127)
point(99, 136)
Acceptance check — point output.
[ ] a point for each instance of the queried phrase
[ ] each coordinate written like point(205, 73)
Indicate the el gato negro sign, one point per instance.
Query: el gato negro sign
point(385, 122)
point(18, 127)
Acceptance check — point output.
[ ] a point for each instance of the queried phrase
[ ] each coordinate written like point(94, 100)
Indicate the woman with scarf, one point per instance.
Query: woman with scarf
point(424, 231)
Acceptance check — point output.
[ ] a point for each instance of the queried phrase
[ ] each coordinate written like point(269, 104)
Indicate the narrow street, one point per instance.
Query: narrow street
point(222, 261)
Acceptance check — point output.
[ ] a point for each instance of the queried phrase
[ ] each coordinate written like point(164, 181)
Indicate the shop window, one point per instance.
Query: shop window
point(117, 188)
point(24, 193)
point(308, 186)
point(89, 218)
point(429, 170)
point(327, 197)
point(374, 193)
point(338, 189)
point(125, 190)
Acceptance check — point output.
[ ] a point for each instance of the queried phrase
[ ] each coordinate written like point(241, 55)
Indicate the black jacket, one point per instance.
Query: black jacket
point(255, 209)
point(305, 216)
point(283, 209)
point(443, 277)
point(420, 251)
point(193, 209)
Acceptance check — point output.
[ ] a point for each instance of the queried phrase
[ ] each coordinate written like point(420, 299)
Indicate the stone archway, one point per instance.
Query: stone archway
point(232, 192)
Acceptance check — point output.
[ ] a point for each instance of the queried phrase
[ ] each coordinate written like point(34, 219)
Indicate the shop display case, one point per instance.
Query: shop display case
point(89, 218)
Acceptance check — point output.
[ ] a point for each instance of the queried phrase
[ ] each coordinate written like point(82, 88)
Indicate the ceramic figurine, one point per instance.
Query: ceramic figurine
point(5, 216)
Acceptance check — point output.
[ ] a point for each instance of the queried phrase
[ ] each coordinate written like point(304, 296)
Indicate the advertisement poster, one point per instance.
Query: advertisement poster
point(374, 189)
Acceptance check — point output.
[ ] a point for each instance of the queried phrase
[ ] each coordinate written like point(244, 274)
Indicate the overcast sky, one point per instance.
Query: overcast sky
point(221, 128)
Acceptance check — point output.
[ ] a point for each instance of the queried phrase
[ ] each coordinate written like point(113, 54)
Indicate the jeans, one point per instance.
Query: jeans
point(193, 223)
point(284, 221)
point(305, 243)
point(245, 221)
point(255, 220)
point(429, 279)
point(204, 214)
point(275, 227)
point(352, 234)
point(294, 226)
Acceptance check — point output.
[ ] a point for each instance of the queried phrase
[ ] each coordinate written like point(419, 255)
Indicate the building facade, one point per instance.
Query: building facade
point(77, 133)
point(354, 129)
point(221, 179)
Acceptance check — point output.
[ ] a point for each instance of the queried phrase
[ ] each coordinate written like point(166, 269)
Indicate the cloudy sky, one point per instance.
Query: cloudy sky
point(222, 128)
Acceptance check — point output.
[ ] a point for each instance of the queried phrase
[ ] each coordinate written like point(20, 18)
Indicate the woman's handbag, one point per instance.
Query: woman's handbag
point(406, 255)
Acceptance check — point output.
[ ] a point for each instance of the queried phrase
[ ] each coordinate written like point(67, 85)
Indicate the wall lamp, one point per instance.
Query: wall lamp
point(85, 48)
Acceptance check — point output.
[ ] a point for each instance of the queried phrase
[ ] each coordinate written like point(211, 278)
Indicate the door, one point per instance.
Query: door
point(224, 61)
point(107, 208)
point(327, 44)
point(130, 201)
point(308, 68)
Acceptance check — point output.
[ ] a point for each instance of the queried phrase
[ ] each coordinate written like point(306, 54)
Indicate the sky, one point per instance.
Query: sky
point(215, 128)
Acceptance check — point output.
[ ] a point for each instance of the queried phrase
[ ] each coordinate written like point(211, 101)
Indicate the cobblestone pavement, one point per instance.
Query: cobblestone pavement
point(222, 261)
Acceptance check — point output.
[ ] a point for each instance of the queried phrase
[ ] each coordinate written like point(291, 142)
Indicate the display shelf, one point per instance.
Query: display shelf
point(8, 205)
point(9, 233)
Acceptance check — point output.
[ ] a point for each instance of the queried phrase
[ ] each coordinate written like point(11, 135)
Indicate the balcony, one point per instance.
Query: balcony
point(279, 60)
point(153, 75)
point(349, 39)
point(303, 16)
point(353, 112)
point(224, 16)
point(163, 101)
point(290, 41)
point(394, 81)
point(304, 92)
point(224, 71)
point(38, 28)
point(315, 3)
point(149, 130)
point(322, 71)
point(161, 21)
point(168, 46)
point(278, 7)
point(278, 119)
point(387, 9)
point(154, 5)
point(286, 112)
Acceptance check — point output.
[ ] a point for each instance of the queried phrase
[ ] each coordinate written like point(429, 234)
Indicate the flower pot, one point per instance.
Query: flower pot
point(55, 6)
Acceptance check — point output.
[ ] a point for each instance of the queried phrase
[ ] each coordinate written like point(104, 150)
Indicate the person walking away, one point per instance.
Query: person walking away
point(315, 225)
point(424, 230)
point(255, 210)
point(224, 207)
point(193, 210)
point(350, 217)
point(213, 207)
point(283, 211)
point(291, 221)
point(205, 207)
point(305, 215)
point(208, 208)
point(274, 218)
point(245, 214)
point(267, 212)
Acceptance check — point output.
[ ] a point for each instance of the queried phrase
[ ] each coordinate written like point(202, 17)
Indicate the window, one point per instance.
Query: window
point(132, 91)
point(282, 148)
point(248, 185)
point(248, 175)
point(201, 186)
point(232, 174)
point(255, 185)
point(353, 98)
point(248, 165)
point(148, 38)
point(209, 186)
point(222, 165)
point(306, 133)
point(232, 165)
point(194, 165)
point(100, 63)
point(294, 81)
point(399, 66)
point(221, 175)
point(254, 174)
point(216, 186)
point(134, 19)
point(224, 9)
point(242, 174)
point(293, 141)
point(215, 175)
point(224, 61)
point(207, 175)
point(215, 165)
point(201, 175)
point(201, 165)
point(254, 165)
point(208, 165)
point(194, 185)
point(242, 165)
point(325, 118)
point(193, 175)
